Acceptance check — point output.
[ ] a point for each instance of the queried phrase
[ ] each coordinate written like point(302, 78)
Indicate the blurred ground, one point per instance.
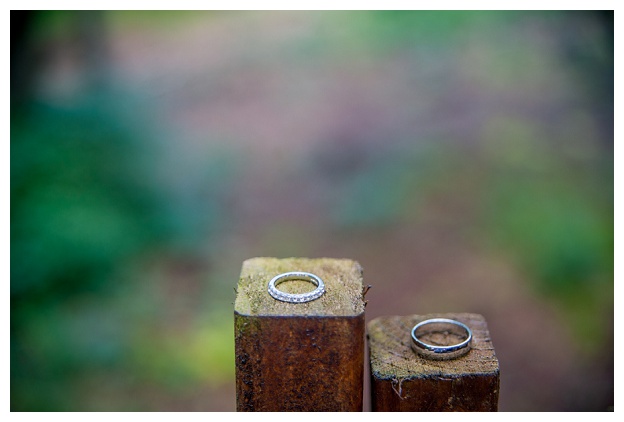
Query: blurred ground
point(465, 159)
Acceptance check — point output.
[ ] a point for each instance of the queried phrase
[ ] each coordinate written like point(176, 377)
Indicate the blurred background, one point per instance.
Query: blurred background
point(465, 159)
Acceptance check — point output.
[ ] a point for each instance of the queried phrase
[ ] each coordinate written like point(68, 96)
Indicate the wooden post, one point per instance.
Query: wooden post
point(401, 380)
point(304, 356)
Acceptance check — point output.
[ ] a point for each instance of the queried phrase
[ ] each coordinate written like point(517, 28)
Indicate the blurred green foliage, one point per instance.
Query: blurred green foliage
point(88, 201)
point(80, 198)
point(81, 205)
point(551, 207)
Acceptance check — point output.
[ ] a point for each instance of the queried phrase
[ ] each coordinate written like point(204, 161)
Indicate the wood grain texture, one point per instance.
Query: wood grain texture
point(401, 380)
point(300, 357)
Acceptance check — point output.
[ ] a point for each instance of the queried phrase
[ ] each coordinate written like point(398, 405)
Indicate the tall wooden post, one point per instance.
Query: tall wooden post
point(401, 380)
point(299, 356)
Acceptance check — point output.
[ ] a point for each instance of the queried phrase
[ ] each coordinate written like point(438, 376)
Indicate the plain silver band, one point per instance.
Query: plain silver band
point(441, 352)
point(296, 297)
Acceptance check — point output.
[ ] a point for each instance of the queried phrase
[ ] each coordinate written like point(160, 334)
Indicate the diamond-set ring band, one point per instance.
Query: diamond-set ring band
point(296, 297)
point(441, 325)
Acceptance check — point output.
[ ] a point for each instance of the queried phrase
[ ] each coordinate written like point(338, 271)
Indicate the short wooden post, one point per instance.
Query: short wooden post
point(401, 380)
point(305, 356)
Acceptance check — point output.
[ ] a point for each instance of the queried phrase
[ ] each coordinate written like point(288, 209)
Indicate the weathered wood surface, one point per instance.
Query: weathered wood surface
point(305, 356)
point(401, 380)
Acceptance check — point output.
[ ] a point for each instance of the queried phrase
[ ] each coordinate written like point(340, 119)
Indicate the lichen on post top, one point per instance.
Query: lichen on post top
point(342, 278)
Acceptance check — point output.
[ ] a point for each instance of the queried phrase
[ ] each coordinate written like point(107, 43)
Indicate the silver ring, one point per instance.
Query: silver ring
point(441, 325)
point(296, 297)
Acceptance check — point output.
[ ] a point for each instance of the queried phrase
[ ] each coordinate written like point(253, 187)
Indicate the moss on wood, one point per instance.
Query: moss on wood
point(393, 358)
point(404, 381)
point(342, 278)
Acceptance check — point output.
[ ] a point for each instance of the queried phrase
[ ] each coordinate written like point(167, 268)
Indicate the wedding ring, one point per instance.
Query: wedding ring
point(296, 297)
point(443, 326)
